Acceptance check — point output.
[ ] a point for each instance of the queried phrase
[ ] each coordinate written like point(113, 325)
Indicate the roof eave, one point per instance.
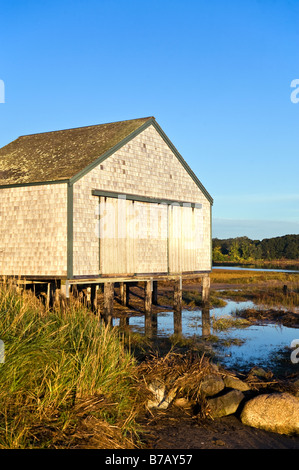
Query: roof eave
point(33, 183)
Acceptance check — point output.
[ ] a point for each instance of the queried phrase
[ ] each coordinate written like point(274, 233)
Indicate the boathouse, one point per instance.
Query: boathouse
point(106, 203)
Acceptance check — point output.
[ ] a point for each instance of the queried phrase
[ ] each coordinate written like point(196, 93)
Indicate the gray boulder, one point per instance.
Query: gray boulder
point(211, 385)
point(226, 404)
point(277, 412)
point(234, 382)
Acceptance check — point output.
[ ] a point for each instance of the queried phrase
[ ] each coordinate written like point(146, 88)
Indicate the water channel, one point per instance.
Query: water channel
point(257, 345)
point(265, 345)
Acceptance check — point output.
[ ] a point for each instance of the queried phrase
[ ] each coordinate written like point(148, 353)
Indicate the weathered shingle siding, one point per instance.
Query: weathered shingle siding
point(33, 230)
point(145, 166)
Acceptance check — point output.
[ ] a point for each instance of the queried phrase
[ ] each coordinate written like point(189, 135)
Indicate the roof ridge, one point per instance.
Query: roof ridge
point(86, 127)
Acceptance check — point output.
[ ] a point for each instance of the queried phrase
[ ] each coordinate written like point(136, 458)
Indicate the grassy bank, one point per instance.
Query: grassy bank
point(263, 288)
point(250, 277)
point(66, 379)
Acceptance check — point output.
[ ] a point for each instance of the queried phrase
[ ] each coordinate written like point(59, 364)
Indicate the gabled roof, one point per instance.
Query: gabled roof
point(59, 155)
point(67, 155)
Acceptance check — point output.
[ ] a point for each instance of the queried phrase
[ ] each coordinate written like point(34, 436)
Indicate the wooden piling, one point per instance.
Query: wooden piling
point(123, 290)
point(94, 297)
point(148, 307)
point(57, 298)
point(127, 294)
point(177, 306)
point(205, 289)
point(148, 297)
point(108, 302)
point(48, 297)
point(51, 286)
point(155, 293)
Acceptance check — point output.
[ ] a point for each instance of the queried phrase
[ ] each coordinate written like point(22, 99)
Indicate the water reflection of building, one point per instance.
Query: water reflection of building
point(151, 323)
point(206, 321)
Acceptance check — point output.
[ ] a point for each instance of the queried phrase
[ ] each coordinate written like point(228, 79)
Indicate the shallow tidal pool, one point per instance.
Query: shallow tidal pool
point(263, 345)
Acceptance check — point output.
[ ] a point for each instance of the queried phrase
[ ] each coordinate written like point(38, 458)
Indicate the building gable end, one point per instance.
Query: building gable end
point(134, 134)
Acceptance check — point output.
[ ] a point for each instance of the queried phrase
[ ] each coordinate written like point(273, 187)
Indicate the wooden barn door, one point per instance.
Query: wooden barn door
point(185, 229)
point(113, 247)
point(133, 237)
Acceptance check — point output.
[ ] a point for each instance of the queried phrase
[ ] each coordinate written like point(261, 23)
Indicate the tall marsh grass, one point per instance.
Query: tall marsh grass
point(55, 362)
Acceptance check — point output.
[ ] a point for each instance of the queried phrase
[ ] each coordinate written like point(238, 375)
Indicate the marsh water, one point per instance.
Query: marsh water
point(265, 345)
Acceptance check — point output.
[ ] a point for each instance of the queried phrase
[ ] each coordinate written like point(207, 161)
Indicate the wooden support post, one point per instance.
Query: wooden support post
point(50, 294)
point(88, 295)
point(57, 298)
point(155, 293)
point(97, 303)
point(177, 306)
point(148, 297)
point(48, 298)
point(205, 289)
point(94, 297)
point(148, 307)
point(108, 302)
point(123, 293)
point(75, 291)
point(127, 294)
point(65, 289)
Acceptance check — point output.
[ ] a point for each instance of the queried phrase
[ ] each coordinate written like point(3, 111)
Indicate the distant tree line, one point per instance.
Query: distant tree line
point(243, 248)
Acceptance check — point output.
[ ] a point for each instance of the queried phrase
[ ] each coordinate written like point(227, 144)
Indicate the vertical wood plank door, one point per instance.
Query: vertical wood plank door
point(133, 237)
point(185, 238)
point(142, 238)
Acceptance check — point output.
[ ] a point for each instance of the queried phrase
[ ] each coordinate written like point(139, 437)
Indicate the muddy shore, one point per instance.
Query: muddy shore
point(174, 429)
point(177, 429)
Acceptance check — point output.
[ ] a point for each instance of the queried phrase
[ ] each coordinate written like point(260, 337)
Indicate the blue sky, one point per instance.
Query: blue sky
point(215, 74)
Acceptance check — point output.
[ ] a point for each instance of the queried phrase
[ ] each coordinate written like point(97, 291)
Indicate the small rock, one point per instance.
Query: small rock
point(211, 385)
point(226, 404)
point(234, 382)
point(277, 412)
point(259, 372)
